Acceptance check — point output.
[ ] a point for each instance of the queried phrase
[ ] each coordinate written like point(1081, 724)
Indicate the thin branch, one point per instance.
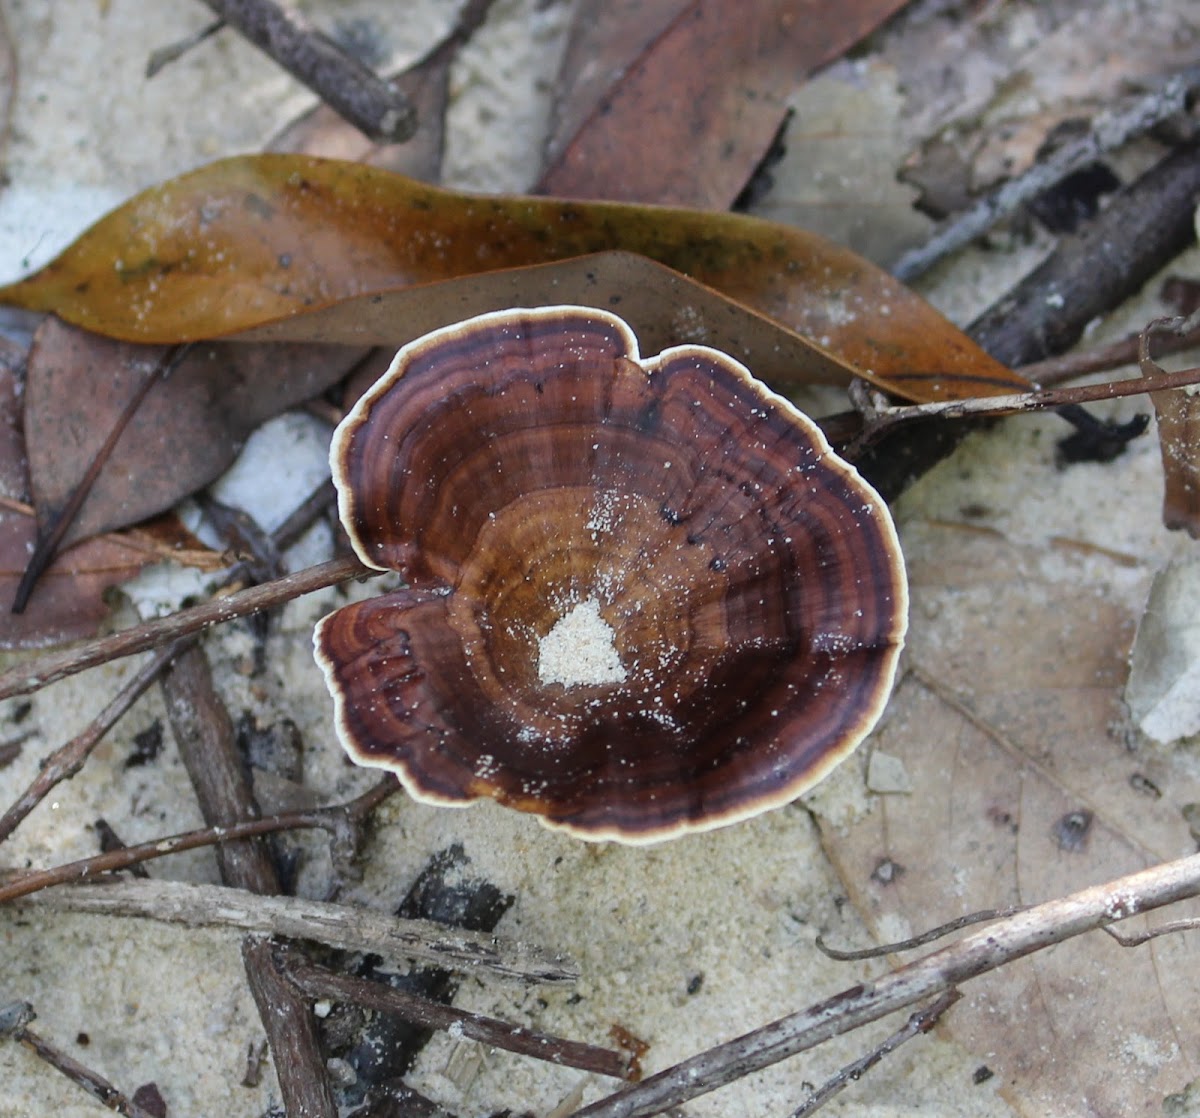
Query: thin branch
point(335, 819)
point(68, 759)
point(346, 927)
point(931, 936)
point(164, 56)
point(13, 1021)
point(376, 107)
point(1108, 131)
point(1101, 359)
point(1136, 939)
point(321, 983)
point(919, 1023)
point(31, 676)
point(993, 946)
point(879, 422)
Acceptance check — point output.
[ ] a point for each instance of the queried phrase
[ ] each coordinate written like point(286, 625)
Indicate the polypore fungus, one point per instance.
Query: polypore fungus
point(644, 596)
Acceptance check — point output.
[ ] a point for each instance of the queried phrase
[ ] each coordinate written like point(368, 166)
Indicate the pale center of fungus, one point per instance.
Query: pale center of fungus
point(579, 650)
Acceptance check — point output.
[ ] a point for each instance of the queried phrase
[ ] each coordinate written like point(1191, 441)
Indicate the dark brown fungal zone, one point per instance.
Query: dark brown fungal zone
point(526, 463)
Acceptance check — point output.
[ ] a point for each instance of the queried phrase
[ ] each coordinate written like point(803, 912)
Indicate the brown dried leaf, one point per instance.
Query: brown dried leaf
point(186, 432)
point(677, 103)
point(69, 602)
point(663, 307)
point(255, 238)
point(1024, 789)
point(1178, 415)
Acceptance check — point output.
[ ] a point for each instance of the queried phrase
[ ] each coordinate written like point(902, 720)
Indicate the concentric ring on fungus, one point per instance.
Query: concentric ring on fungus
point(644, 596)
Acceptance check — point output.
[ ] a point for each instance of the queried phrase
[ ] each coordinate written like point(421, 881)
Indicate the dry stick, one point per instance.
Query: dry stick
point(321, 983)
point(331, 819)
point(164, 56)
point(1101, 359)
point(920, 1022)
point(35, 674)
point(930, 936)
point(1109, 130)
point(13, 1020)
point(47, 543)
point(207, 741)
point(993, 946)
point(346, 927)
point(65, 762)
point(354, 91)
point(879, 423)
point(68, 759)
point(1171, 927)
point(1144, 226)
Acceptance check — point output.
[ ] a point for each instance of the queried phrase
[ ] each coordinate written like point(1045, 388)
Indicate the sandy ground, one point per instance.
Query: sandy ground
point(683, 944)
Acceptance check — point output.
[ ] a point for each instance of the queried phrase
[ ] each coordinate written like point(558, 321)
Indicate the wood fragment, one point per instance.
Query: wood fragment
point(1109, 130)
point(918, 1023)
point(992, 946)
point(1090, 272)
point(35, 674)
point(321, 983)
point(347, 927)
point(68, 759)
point(1136, 235)
point(341, 820)
point(14, 1020)
point(377, 107)
point(206, 739)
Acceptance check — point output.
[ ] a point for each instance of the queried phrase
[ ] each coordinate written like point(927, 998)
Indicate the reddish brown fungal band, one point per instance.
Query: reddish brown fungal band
point(644, 596)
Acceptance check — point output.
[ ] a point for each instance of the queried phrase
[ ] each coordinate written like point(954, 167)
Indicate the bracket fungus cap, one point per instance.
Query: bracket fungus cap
point(644, 597)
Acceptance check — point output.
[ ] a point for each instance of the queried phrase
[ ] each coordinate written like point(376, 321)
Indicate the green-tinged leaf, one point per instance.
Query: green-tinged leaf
point(252, 239)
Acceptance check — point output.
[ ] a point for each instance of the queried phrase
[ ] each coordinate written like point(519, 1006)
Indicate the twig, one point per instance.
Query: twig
point(1171, 927)
point(13, 1021)
point(335, 819)
point(347, 927)
point(1124, 351)
point(33, 675)
point(51, 535)
point(879, 422)
point(207, 742)
point(164, 56)
point(67, 760)
point(1109, 130)
point(319, 982)
point(1089, 273)
point(930, 936)
point(376, 107)
point(993, 946)
point(920, 1022)
point(1094, 270)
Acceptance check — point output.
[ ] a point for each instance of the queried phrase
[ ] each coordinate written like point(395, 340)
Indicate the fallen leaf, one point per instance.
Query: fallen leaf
point(252, 239)
point(188, 429)
point(663, 307)
point(1023, 789)
point(1178, 416)
point(69, 603)
point(677, 102)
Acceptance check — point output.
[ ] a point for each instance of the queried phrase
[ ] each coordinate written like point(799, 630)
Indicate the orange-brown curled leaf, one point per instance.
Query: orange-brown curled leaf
point(255, 238)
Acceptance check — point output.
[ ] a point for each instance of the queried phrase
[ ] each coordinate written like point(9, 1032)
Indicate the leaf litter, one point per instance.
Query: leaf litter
point(1099, 837)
